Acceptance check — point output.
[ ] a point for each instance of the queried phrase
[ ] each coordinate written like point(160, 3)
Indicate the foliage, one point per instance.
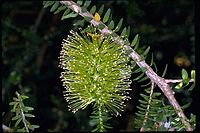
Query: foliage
point(185, 80)
point(22, 112)
point(155, 114)
point(152, 100)
point(30, 58)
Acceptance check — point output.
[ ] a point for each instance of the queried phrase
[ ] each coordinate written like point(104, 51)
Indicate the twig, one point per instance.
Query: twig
point(22, 114)
point(148, 106)
point(166, 89)
point(177, 80)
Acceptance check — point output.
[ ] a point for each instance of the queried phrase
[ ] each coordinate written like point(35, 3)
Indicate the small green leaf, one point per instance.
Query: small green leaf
point(111, 25)
point(192, 118)
point(29, 115)
point(184, 74)
point(146, 51)
point(101, 26)
point(94, 117)
point(80, 2)
point(106, 16)
point(87, 29)
point(17, 94)
point(25, 109)
point(95, 130)
point(186, 105)
point(21, 130)
point(179, 85)
point(138, 77)
point(101, 10)
point(29, 108)
point(119, 25)
point(157, 93)
point(144, 96)
point(87, 3)
point(12, 103)
point(135, 42)
point(192, 87)
point(18, 121)
point(123, 32)
point(143, 79)
point(139, 115)
point(140, 108)
point(93, 9)
point(24, 97)
point(143, 102)
point(15, 118)
point(177, 119)
point(55, 6)
point(48, 3)
point(70, 15)
point(107, 126)
point(66, 12)
point(32, 127)
point(110, 19)
point(56, 12)
point(60, 9)
point(133, 64)
point(193, 74)
point(14, 107)
point(88, 19)
point(35, 126)
point(137, 70)
point(79, 22)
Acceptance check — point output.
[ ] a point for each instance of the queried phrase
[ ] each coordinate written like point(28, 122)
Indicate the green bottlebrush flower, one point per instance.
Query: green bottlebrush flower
point(95, 71)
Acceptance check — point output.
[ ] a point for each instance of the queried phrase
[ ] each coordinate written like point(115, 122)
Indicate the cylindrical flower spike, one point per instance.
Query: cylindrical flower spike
point(95, 71)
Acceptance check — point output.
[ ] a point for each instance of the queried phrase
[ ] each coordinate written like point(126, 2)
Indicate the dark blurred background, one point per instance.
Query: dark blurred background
point(31, 42)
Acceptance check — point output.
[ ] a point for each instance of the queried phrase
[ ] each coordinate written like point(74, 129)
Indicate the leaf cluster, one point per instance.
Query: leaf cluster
point(186, 80)
point(22, 112)
point(155, 114)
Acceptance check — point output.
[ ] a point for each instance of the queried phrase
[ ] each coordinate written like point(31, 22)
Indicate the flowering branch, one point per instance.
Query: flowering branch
point(161, 82)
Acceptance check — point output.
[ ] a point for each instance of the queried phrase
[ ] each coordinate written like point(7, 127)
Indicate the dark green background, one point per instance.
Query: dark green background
point(30, 50)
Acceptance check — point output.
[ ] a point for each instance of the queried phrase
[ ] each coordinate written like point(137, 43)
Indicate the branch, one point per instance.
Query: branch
point(177, 80)
point(148, 107)
point(23, 115)
point(166, 89)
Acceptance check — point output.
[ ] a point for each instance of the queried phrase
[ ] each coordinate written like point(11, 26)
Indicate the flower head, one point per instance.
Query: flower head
point(95, 70)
